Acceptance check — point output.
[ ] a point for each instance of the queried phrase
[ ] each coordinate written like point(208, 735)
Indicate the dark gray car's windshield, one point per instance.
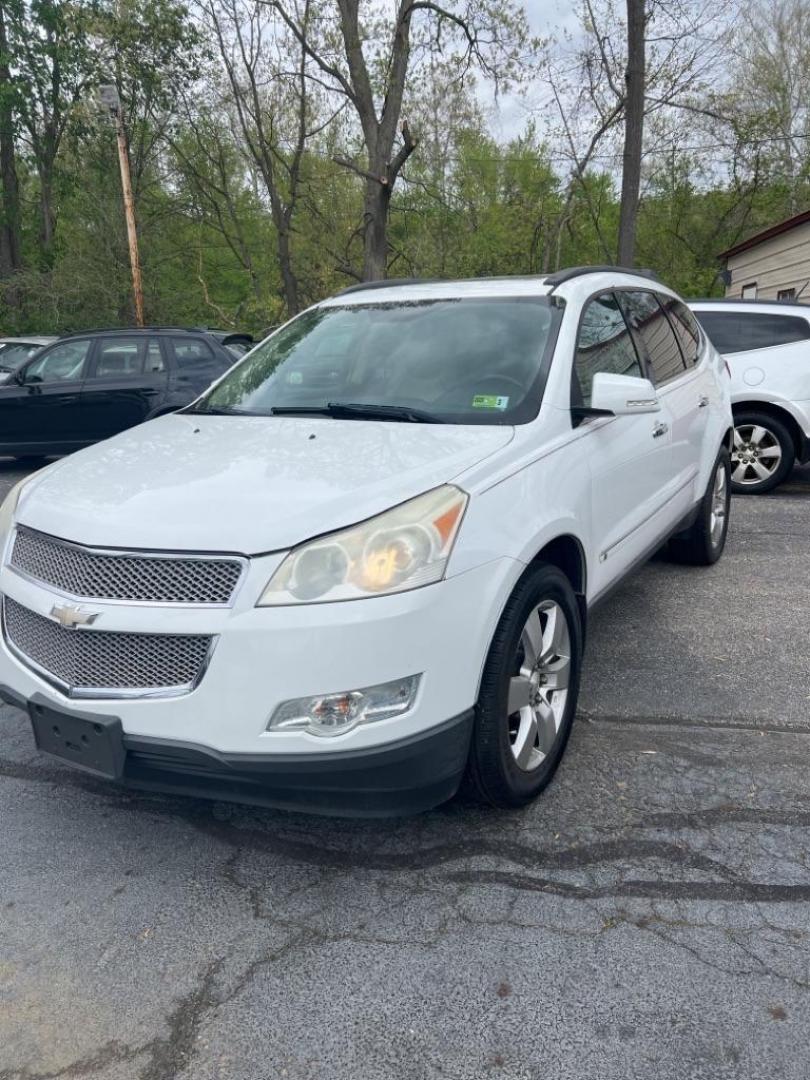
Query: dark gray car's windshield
point(14, 355)
point(463, 361)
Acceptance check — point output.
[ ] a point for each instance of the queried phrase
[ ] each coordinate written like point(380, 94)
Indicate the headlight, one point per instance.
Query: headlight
point(404, 548)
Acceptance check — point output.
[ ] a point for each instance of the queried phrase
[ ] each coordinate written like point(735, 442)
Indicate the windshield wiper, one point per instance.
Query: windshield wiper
point(218, 410)
point(360, 411)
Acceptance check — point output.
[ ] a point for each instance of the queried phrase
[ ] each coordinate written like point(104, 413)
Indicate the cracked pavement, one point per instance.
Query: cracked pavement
point(649, 916)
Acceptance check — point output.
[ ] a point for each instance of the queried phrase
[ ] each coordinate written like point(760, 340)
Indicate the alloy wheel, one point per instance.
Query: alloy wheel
point(756, 455)
point(719, 506)
point(538, 689)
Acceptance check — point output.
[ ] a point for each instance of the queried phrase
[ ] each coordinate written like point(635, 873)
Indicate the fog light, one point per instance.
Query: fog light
point(335, 714)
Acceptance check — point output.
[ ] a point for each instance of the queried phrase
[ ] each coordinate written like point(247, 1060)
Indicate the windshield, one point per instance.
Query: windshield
point(13, 355)
point(463, 361)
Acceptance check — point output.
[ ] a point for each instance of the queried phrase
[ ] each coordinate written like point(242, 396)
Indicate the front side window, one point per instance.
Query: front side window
point(465, 361)
point(741, 331)
point(652, 328)
point(604, 344)
point(63, 363)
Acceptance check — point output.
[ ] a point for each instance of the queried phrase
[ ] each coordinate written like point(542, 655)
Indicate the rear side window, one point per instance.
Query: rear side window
point(119, 357)
point(740, 331)
point(658, 341)
point(191, 354)
point(154, 358)
point(604, 344)
point(685, 327)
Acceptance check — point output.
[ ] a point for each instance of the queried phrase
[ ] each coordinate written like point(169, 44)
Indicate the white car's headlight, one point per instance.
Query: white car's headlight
point(404, 548)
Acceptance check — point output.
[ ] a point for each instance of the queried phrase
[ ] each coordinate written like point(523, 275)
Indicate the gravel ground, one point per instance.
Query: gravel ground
point(648, 917)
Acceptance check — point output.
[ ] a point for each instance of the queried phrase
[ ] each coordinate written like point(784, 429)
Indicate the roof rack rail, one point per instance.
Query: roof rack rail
point(388, 283)
point(133, 330)
point(571, 272)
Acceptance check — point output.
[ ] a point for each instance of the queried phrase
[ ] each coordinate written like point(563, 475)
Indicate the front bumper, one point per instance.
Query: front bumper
point(214, 739)
point(402, 777)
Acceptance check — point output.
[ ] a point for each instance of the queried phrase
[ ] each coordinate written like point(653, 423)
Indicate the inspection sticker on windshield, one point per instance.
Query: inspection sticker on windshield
point(490, 401)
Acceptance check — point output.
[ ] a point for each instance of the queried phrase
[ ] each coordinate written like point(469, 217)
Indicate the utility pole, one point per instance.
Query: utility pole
point(111, 101)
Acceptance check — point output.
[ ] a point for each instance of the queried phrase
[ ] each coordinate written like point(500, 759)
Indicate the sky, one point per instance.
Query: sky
point(508, 113)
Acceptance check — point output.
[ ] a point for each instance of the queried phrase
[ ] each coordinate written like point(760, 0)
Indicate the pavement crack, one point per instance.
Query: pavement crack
point(111, 1053)
point(736, 891)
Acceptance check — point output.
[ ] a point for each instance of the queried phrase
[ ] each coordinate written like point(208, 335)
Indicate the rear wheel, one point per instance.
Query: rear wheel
point(763, 453)
point(528, 692)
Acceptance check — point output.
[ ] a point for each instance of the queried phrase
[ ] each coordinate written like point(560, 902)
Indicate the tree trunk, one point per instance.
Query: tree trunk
point(633, 131)
point(288, 279)
point(375, 230)
point(10, 257)
point(47, 226)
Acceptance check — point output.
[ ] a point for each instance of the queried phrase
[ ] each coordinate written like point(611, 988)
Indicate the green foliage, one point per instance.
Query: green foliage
point(466, 205)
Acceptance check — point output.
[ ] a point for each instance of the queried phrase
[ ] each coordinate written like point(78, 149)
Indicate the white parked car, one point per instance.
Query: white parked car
point(767, 348)
point(360, 566)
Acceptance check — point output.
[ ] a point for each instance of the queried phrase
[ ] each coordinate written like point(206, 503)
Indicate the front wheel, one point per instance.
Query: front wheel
point(529, 691)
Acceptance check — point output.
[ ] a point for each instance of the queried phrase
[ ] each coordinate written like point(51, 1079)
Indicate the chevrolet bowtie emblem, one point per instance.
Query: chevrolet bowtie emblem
point(71, 617)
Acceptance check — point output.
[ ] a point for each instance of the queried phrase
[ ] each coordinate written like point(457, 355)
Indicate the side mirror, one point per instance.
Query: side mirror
point(623, 395)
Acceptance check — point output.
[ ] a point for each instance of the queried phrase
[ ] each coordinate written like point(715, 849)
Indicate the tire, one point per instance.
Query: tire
point(509, 765)
point(761, 442)
point(704, 541)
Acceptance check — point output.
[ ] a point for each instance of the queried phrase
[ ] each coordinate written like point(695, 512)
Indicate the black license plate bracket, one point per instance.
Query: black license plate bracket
point(89, 742)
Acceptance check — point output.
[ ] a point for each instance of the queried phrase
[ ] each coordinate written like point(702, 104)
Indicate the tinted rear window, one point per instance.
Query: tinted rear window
point(191, 353)
point(739, 331)
point(685, 327)
point(646, 316)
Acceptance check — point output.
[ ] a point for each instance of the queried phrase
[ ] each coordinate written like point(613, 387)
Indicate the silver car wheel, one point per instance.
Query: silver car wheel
point(719, 507)
point(538, 692)
point(756, 455)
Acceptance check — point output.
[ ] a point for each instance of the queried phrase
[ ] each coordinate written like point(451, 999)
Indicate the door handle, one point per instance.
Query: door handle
point(659, 430)
point(703, 401)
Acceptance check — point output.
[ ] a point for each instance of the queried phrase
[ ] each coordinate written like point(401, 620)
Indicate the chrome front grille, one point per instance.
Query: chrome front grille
point(112, 575)
point(86, 662)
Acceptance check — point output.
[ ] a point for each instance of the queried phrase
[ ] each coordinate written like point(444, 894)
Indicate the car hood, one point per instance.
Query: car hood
point(245, 484)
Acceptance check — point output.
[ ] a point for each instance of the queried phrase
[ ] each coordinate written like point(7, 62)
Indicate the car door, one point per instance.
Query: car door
point(679, 392)
point(126, 382)
point(697, 392)
point(40, 409)
point(628, 456)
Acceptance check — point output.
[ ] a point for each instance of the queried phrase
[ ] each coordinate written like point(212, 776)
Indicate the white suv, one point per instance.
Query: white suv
point(360, 566)
point(767, 348)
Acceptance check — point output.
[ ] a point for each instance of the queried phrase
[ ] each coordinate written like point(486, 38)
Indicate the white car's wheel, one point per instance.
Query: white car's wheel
point(528, 692)
point(704, 541)
point(763, 453)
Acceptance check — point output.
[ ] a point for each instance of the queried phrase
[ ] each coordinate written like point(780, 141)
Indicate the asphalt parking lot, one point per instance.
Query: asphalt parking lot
point(648, 917)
